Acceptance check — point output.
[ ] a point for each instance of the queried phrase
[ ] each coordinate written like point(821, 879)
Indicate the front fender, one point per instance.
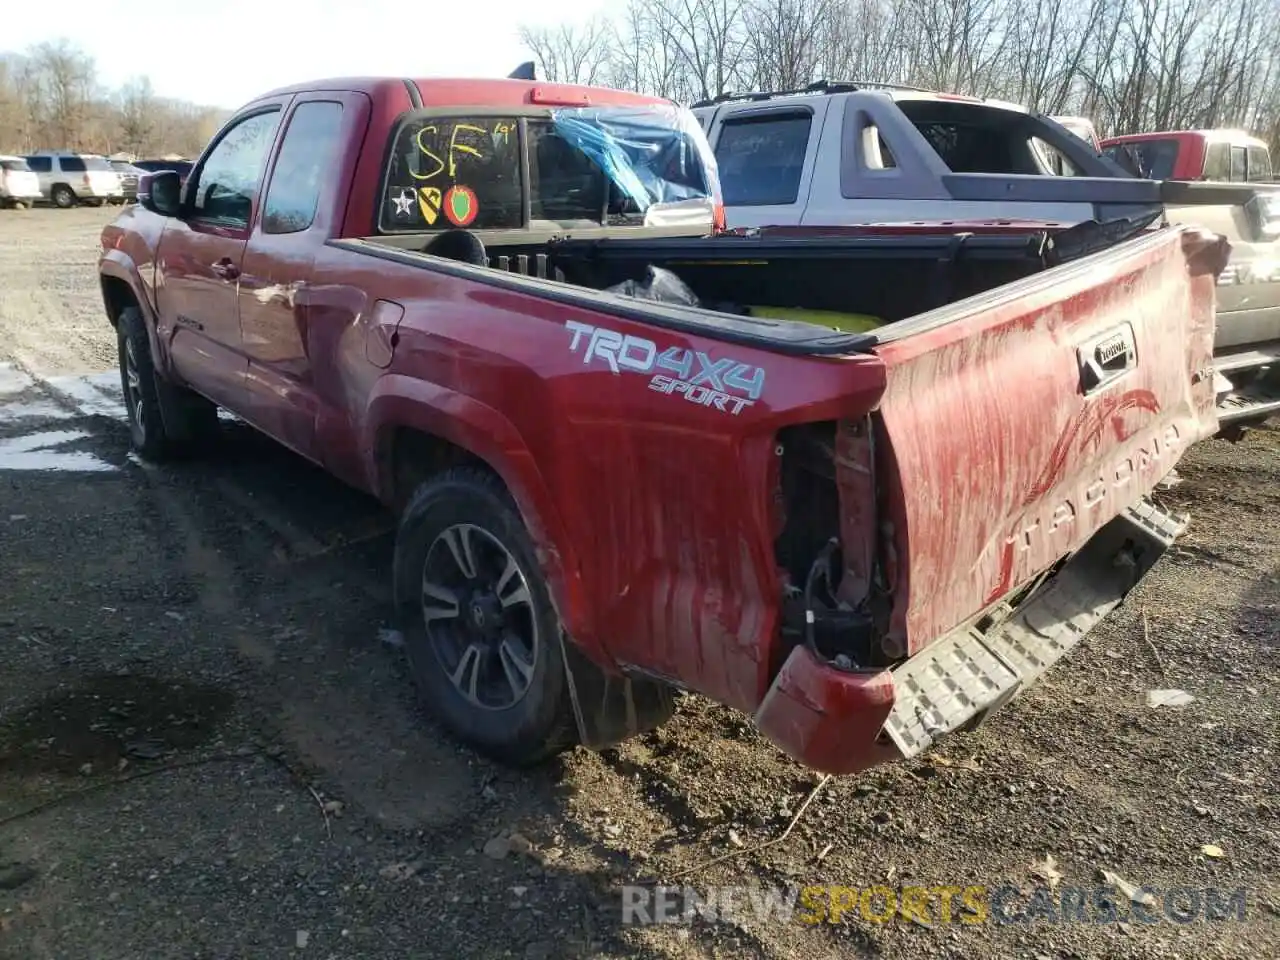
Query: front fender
point(117, 265)
point(399, 401)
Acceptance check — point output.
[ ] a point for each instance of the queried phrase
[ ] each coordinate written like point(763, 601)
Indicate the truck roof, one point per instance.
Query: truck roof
point(449, 91)
point(892, 91)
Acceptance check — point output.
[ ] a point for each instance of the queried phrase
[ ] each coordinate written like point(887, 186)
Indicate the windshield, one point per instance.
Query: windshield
point(96, 163)
point(571, 167)
point(16, 166)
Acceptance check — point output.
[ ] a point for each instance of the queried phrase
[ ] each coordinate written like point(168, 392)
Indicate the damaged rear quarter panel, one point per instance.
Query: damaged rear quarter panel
point(659, 507)
point(670, 505)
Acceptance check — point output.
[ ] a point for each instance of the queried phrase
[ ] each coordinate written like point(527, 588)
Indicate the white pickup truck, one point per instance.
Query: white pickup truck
point(848, 153)
point(841, 153)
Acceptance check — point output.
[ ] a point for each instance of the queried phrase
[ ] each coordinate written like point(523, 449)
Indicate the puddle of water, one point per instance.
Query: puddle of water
point(96, 395)
point(13, 380)
point(108, 718)
point(37, 409)
point(34, 452)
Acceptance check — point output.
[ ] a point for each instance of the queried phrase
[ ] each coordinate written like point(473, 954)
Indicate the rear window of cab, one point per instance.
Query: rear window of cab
point(572, 167)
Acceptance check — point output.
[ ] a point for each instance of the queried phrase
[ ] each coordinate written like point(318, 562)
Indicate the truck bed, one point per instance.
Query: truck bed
point(887, 275)
point(1083, 334)
point(1020, 395)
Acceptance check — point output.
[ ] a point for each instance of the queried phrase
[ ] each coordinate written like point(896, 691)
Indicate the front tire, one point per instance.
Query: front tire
point(164, 420)
point(481, 634)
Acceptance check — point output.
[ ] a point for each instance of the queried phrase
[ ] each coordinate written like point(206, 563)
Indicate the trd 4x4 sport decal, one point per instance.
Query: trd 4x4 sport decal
point(723, 384)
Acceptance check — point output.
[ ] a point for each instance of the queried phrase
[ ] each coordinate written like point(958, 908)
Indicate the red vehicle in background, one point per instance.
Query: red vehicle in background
point(1222, 180)
point(1223, 156)
point(864, 487)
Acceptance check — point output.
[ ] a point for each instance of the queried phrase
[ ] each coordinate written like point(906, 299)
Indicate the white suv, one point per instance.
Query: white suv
point(18, 184)
point(71, 178)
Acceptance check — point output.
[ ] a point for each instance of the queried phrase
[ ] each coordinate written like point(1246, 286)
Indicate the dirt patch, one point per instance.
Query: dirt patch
point(108, 719)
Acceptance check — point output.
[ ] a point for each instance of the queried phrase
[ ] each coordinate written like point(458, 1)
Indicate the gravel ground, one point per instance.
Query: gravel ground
point(232, 764)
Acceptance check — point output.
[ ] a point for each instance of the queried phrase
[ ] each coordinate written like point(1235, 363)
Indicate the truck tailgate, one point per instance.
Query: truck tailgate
point(1015, 425)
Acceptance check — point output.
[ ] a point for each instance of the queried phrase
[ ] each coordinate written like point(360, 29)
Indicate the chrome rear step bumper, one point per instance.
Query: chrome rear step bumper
point(957, 681)
point(1252, 384)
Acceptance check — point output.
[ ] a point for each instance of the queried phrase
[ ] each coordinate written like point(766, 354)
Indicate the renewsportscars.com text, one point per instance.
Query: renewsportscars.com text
point(943, 904)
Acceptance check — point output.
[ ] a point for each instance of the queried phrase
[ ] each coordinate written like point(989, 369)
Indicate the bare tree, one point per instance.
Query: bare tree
point(50, 99)
point(64, 77)
point(643, 54)
point(867, 40)
point(137, 116)
point(786, 41)
point(569, 53)
point(711, 42)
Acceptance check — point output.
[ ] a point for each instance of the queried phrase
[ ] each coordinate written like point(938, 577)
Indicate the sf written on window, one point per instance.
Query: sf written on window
point(572, 167)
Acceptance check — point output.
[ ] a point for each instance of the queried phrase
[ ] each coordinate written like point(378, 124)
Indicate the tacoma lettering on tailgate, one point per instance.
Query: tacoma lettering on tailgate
point(722, 383)
point(1036, 543)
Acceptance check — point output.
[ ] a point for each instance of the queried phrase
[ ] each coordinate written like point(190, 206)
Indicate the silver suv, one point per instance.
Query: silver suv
point(18, 185)
point(71, 178)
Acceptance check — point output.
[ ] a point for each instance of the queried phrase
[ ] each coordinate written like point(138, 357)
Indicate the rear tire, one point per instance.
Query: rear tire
point(165, 420)
point(62, 196)
point(481, 634)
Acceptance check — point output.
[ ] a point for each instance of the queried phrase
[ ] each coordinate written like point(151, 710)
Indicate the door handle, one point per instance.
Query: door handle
point(226, 269)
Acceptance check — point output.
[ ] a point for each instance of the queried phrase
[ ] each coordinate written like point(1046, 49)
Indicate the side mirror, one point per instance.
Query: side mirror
point(161, 192)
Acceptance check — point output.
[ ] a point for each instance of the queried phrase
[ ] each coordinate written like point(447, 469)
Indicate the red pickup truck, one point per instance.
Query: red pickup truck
point(863, 485)
point(1227, 156)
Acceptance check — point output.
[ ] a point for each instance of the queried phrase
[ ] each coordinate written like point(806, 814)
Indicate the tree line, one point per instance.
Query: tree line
point(1128, 65)
point(51, 99)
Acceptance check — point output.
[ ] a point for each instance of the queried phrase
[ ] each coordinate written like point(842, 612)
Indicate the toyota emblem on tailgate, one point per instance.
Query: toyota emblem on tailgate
point(1107, 358)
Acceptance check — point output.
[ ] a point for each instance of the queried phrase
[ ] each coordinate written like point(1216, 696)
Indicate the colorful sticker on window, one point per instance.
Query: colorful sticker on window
point(460, 205)
point(401, 203)
point(429, 202)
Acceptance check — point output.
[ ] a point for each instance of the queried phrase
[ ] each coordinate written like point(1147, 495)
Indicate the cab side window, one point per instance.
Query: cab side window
point(1217, 162)
point(1259, 164)
point(762, 157)
point(1238, 168)
point(308, 150)
point(225, 185)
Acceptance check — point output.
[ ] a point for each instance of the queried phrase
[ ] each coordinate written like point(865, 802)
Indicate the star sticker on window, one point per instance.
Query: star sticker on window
point(404, 202)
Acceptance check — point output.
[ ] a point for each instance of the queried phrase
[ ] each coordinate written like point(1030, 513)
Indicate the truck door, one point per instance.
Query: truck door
point(766, 155)
point(200, 255)
point(301, 208)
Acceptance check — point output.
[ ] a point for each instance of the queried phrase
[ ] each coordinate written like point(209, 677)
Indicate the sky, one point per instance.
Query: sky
point(226, 53)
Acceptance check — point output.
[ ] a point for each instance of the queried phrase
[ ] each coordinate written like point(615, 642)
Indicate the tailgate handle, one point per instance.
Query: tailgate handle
point(1107, 358)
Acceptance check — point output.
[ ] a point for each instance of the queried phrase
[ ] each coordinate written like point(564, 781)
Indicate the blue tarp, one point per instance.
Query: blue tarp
point(639, 148)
